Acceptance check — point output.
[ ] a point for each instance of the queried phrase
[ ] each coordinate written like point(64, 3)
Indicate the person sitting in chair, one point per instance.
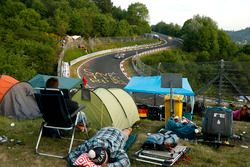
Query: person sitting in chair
point(104, 149)
point(72, 105)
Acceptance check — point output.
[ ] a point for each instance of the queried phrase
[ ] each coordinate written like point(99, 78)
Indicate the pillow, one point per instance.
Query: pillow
point(84, 161)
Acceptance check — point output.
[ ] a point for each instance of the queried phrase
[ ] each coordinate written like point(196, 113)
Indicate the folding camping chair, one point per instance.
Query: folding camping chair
point(52, 105)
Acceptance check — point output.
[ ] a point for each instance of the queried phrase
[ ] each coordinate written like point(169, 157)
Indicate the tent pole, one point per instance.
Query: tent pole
point(154, 99)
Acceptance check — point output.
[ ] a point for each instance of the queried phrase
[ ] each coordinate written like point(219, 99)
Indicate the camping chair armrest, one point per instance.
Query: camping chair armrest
point(78, 110)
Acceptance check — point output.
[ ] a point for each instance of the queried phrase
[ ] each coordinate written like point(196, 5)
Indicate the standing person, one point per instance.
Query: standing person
point(85, 81)
point(106, 148)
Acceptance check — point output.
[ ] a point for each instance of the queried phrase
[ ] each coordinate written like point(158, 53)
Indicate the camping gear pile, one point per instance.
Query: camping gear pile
point(155, 85)
point(175, 90)
point(161, 148)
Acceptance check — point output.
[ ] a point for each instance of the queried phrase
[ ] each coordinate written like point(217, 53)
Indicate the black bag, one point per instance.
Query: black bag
point(218, 121)
point(156, 113)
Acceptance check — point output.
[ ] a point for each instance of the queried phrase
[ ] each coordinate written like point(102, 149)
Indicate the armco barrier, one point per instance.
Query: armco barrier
point(72, 62)
point(140, 67)
point(61, 69)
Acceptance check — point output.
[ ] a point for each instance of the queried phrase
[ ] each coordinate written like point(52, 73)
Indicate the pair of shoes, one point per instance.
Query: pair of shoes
point(3, 139)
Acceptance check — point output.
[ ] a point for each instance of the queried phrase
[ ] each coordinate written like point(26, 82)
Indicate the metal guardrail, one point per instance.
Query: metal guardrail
point(103, 52)
point(143, 69)
point(64, 67)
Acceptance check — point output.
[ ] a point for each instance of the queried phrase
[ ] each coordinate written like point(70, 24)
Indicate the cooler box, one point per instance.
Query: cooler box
point(142, 110)
point(218, 121)
point(177, 105)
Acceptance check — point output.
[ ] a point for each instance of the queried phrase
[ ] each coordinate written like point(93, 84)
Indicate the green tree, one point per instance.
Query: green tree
point(118, 13)
point(84, 4)
point(76, 23)
point(31, 20)
point(15, 65)
point(141, 28)
point(246, 49)
point(55, 5)
point(190, 34)
point(201, 34)
point(123, 28)
point(61, 22)
point(104, 5)
point(40, 57)
point(104, 25)
point(137, 13)
point(168, 29)
point(227, 48)
point(11, 8)
point(37, 5)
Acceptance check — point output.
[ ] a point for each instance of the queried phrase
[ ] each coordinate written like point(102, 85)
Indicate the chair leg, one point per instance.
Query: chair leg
point(39, 138)
point(72, 139)
point(86, 129)
point(38, 142)
point(84, 123)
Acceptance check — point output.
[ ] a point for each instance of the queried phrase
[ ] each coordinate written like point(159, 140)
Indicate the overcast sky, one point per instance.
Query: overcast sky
point(228, 14)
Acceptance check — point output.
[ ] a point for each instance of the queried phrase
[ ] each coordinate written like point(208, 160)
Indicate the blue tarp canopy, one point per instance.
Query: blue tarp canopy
point(64, 83)
point(152, 84)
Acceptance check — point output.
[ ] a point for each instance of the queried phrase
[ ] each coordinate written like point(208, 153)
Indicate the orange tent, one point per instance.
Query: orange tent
point(6, 82)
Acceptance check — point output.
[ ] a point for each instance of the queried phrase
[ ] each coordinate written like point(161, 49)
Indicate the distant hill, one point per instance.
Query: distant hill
point(241, 36)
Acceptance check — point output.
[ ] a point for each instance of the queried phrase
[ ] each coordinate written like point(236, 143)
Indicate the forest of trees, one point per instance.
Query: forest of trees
point(204, 45)
point(30, 30)
point(202, 37)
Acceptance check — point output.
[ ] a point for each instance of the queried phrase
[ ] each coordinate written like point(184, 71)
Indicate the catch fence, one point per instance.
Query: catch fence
point(222, 81)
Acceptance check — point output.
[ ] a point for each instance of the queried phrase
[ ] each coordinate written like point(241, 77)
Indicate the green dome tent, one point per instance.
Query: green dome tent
point(109, 107)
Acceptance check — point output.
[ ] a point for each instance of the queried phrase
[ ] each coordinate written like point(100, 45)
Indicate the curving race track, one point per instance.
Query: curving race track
point(104, 71)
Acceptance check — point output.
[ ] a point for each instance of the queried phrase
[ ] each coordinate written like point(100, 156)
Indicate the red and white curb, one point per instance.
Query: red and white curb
point(123, 70)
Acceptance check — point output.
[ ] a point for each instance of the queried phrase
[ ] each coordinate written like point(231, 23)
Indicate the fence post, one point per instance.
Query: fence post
point(221, 80)
point(159, 68)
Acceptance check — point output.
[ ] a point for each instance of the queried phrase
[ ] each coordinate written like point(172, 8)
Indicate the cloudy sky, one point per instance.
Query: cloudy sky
point(228, 14)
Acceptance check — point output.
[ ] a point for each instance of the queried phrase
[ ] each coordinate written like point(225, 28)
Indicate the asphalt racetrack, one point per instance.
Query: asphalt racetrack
point(104, 71)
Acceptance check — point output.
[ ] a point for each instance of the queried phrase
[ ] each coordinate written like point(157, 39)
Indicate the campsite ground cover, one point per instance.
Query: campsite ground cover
point(22, 155)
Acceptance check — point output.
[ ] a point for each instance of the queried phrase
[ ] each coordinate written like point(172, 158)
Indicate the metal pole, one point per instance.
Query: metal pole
point(221, 80)
point(171, 99)
point(154, 99)
point(159, 68)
